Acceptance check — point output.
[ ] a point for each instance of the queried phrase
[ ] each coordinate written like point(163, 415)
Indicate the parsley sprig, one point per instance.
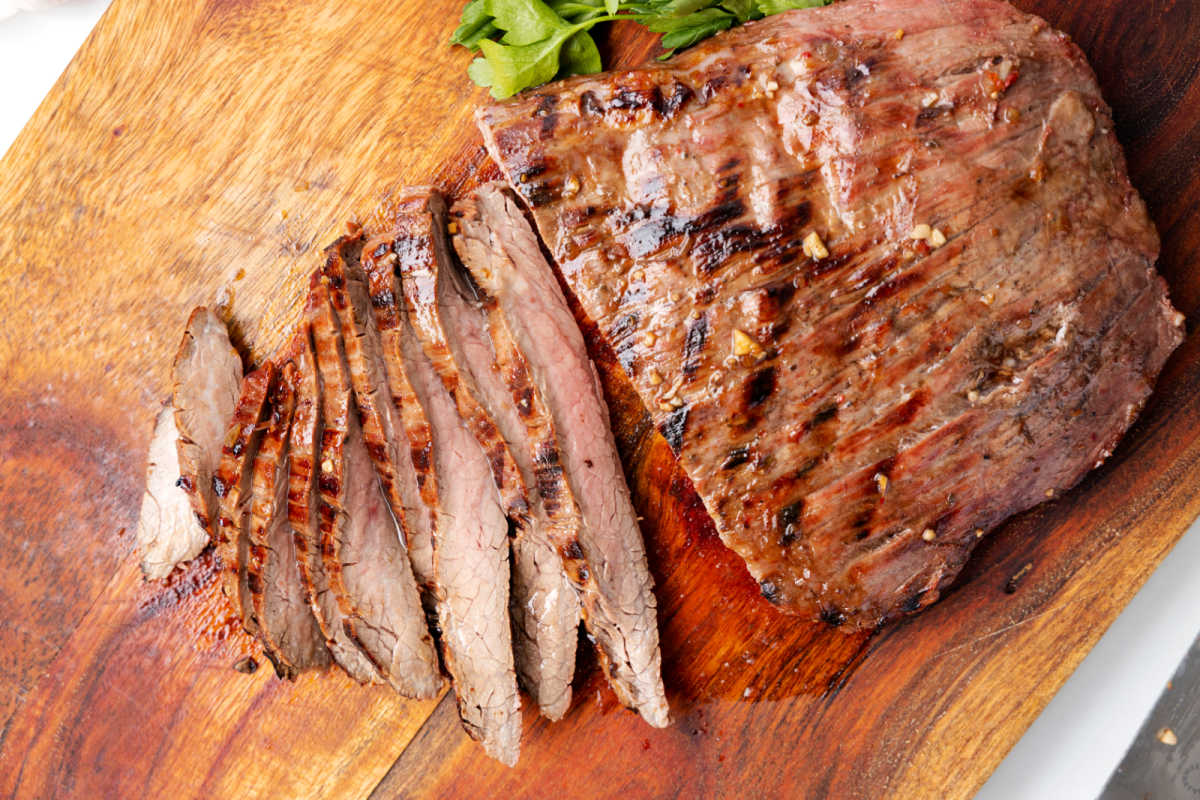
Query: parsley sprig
point(525, 43)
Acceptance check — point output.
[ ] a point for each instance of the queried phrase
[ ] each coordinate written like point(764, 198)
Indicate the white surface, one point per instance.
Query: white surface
point(1069, 751)
point(35, 47)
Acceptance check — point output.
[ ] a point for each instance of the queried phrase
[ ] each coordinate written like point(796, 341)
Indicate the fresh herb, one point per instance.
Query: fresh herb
point(525, 43)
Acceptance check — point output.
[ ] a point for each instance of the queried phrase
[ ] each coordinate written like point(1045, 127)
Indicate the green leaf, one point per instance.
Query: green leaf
point(769, 7)
point(525, 21)
point(480, 71)
point(580, 56)
point(475, 24)
point(685, 31)
point(516, 67)
point(744, 10)
point(577, 10)
point(611, 6)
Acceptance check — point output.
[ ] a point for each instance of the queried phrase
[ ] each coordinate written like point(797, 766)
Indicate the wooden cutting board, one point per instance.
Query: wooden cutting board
point(196, 149)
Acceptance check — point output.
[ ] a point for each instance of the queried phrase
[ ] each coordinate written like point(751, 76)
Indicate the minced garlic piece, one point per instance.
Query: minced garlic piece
point(1167, 737)
point(570, 186)
point(743, 344)
point(452, 228)
point(881, 481)
point(920, 232)
point(928, 535)
point(937, 238)
point(988, 298)
point(654, 378)
point(899, 34)
point(327, 466)
point(813, 246)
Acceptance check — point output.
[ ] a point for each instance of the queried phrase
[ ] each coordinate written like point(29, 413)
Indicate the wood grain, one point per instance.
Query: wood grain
point(193, 149)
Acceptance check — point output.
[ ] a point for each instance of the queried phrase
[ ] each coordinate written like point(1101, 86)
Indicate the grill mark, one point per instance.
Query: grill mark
point(673, 426)
point(736, 457)
point(647, 229)
point(590, 105)
point(693, 345)
point(788, 522)
point(760, 387)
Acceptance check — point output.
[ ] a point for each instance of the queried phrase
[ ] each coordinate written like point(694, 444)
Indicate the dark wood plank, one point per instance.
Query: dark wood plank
point(192, 148)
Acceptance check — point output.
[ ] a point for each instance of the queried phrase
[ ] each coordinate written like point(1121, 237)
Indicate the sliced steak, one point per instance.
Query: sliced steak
point(304, 502)
point(383, 427)
point(207, 374)
point(471, 562)
point(870, 286)
point(232, 485)
point(378, 262)
point(168, 532)
point(544, 606)
point(363, 552)
point(607, 560)
point(419, 268)
point(290, 635)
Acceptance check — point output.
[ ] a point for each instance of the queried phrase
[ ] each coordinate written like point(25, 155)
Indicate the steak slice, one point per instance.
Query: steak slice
point(383, 428)
point(304, 502)
point(607, 560)
point(207, 373)
point(232, 484)
point(378, 262)
point(419, 268)
point(471, 563)
point(868, 285)
point(544, 605)
point(290, 635)
point(362, 549)
point(168, 531)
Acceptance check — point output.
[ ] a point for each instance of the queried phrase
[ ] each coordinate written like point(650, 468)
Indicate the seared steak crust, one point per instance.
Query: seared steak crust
point(604, 556)
point(206, 374)
point(383, 428)
point(379, 256)
point(471, 562)
point(544, 606)
point(362, 552)
point(289, 632)
point(419, 271)
point(232, 486)
point(304, 490)
point(879, 291)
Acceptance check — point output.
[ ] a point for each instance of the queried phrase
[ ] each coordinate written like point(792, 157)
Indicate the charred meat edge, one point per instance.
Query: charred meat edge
point(545, 607)
point(304, 502)
point(378, 262)
point(471, 555)
point(232, 485)
point(419, 282)
point(382, 616)
point(206, 376)
point(289, 632)
point(607, 562)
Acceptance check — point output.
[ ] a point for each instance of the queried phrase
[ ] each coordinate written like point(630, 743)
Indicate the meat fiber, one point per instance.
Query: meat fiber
point(362, 551)
point(168, 532)
point(289, 632)
point(471, 547)
point(304, 501)
point(876, 270)
point(232, 485)
point(605, 556)
point(206, 374)
point(379, 257)
point(419, 273)
point(382, 425)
